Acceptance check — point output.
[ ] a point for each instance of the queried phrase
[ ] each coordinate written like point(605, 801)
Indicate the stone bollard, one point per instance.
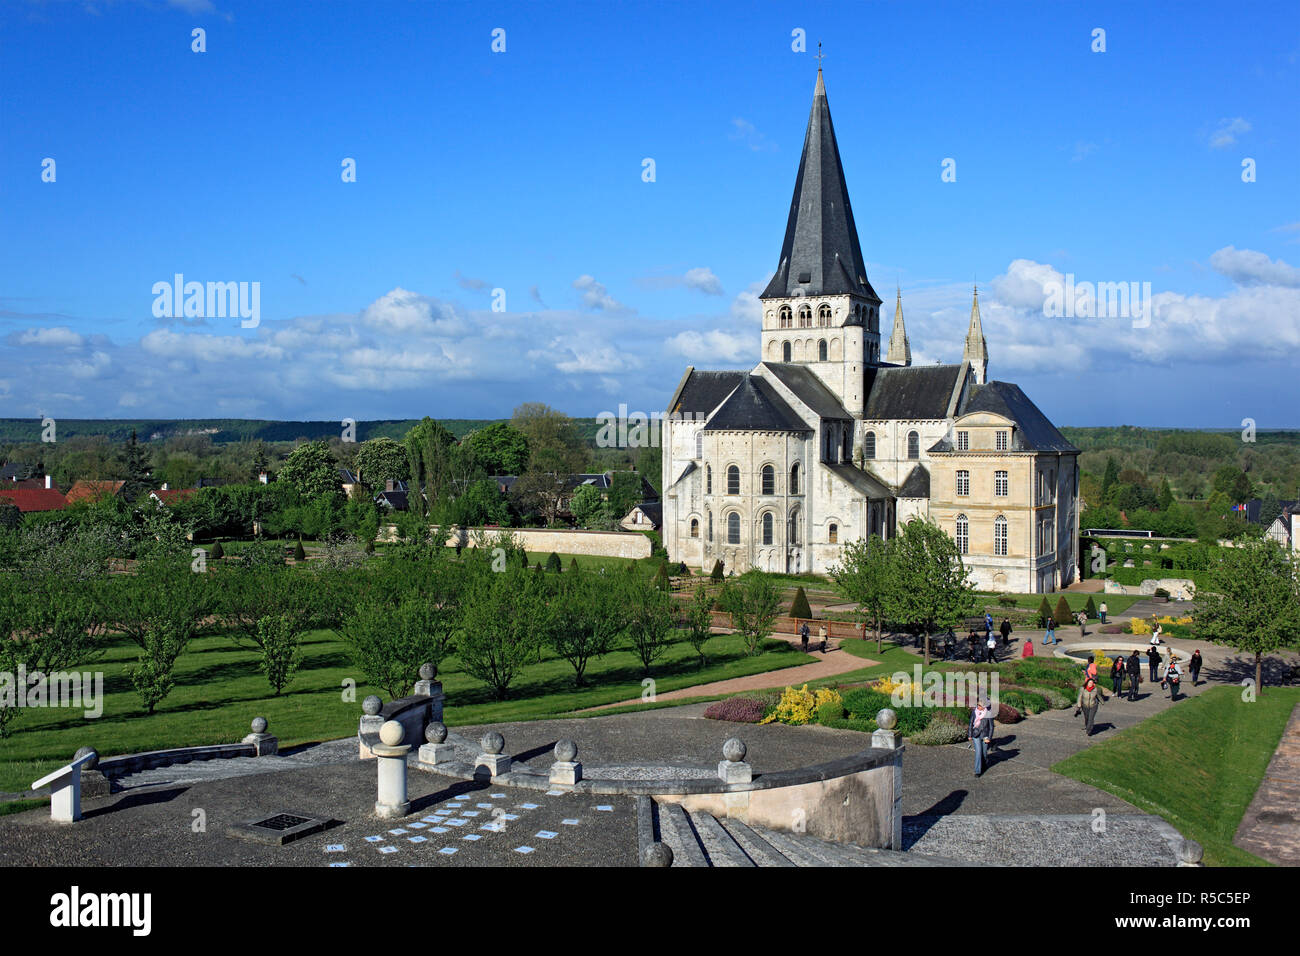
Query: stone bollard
point(437, 750)
point(429, 686)
point(264, 744)
point(566, 769)
point(1190, 853)
point(658, 854)
point(492, 759)
point(733, 768)
point(391, 755)
point(370, 722)
point(886, 737)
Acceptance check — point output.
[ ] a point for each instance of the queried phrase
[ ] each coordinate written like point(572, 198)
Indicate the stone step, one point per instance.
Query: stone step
point(756, 848)
point(676, 831)
point(719, 846)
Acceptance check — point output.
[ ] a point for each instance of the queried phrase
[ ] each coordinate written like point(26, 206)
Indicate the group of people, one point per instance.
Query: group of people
point(804, 634)
point(980, 648)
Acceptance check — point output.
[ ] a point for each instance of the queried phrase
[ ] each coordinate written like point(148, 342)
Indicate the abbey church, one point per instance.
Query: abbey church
point(824, 442)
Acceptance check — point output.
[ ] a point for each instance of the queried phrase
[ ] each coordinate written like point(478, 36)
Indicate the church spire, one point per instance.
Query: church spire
point(976, 350)
point(900, 351)
point(820, 254)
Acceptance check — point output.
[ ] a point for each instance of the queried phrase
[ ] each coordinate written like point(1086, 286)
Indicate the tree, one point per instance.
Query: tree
point(933, 590)
point(389, 641)
point(590, 614)
point(1233, 483)
point(312, 472)
point(216, 552)
point(799, 607)
point(1166, 498)
point(428, 455)
point(1253, 601)
point(651, 616)
point(699, 620)
point(281, 650)
point(1109, 479)
point(381, 460)
point(589, 509)
point(662, 580)
point(506, 618)
point(162, 643)
point(500, 448)
point(554, 445)
point(553, 563)
point(865, 576)
point(753, 602)
point(135, 466)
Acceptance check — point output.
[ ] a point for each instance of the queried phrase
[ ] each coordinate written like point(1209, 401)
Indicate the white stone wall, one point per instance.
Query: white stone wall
point(891, 462)
point(605, 544)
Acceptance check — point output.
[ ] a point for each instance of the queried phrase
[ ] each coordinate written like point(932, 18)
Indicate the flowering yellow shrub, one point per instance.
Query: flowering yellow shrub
point(1169, 619)
point(1139, 626)
point(826, 695)
point(794, 707)
point(887, 686)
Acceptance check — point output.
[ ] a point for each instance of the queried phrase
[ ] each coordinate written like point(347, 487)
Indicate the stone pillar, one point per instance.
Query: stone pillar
point(93, 781)
point(391, 757)
point(733, 769)
point(429, 686)
point(264, 744)
point(887, 738)
point(437, 750)
point(566, 770)
point(492, 760)
point(370, 722)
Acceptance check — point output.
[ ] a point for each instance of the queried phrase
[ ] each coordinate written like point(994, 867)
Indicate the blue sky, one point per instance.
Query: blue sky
point(522, 171)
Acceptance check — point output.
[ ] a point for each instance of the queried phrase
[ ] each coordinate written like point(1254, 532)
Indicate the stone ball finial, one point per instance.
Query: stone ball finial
point(565, 750)
point(436, 732)
point(94, 759)
point(492, 742)
point(734, 750)
point(371, 705)
point(658, 854)
point(886, 719)
point(392, 733)
point(259, 725)
point(428, 671)
point(1190, 853)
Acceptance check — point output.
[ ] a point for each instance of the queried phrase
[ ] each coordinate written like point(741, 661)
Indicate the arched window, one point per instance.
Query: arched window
point(999, 535)
point(913, 445)
point(769, 480)
point(767, 527)
point(963, 535)
point(787, 318)
point(708, 479)
point(833, 534)
point(869, 445)
point(794, 479)
point(733, 480)
point(821, 351)
point(824, 315)
point(792, 531)
point(805, 316)
point(699, 444)
point(785, 352)
point(695, 527)
point(733, 528)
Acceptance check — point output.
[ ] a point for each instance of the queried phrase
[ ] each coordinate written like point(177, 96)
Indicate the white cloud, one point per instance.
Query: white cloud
point(596, 296)
point(1226, 133)
point(57, 337)
point(703, 280)
point(715, 345)
point(1248, 267)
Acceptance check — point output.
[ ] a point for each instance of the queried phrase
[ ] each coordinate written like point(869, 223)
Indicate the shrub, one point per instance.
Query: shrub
point(573, 565)
point(1057, 699)
point(799, 706)
point(1161, 592)
point(662, 581)
point(298, 553)
point(830, 711)
point(799, 606)
point(1025, 701)
point(1044, 610)
point(1062, 614)
point(865, 703)
point(1007, 600)
point(553, 563)
point(1007, 714)
point(1090, 608)
point(742, 710)
point(1139, 625)
point(943, 729)
point(716, 574)
point(216, 551)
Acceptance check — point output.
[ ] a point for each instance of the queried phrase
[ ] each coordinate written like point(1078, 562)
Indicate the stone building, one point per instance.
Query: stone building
point(824, 442)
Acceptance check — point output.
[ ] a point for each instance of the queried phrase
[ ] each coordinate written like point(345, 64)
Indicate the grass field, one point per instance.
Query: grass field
point(1115, 603)
point(219, 690)
point(1197, 764)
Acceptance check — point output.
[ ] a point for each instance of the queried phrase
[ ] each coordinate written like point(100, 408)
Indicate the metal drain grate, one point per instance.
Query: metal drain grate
point(281, 821)
point(279, 828)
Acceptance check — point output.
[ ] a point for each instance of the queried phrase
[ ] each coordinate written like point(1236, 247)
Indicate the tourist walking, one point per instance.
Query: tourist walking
point(1194, 666)
point(988, 624)
point(1173, 677)
point(1005, 630)
point(803, 636)
point(1090, 698)
point(1117, 675)
point(1092, 668)
point(821, 636)
point(1049, 632)
point(1134, 669)
point(1082, 618)
point(991, 645)
point(1153, 662)
point(1028, 650)
point(980, 732)
point(1103, 611)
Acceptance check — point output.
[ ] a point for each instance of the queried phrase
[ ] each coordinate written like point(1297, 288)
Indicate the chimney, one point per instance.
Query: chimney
point(164, 487)
point(49, 482)
point(388, 485)
point(261, 476)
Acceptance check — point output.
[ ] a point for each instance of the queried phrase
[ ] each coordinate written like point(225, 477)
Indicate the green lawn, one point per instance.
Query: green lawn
point(1115, 603)
point(1196, 764)
point(219, 690)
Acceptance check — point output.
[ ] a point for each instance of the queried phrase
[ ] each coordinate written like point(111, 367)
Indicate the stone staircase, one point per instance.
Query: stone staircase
point(700, 839)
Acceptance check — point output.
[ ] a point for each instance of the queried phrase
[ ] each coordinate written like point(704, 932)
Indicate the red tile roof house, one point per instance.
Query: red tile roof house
point(94, 490)
point(34, 499)
point(169, 496)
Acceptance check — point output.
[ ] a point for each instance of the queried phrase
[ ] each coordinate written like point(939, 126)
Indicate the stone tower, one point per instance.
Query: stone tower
point(976, 350)
point(900, 350)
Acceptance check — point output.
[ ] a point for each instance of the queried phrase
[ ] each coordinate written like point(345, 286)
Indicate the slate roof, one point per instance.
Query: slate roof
point(909, 392)
point(34, 499)
point(755, 406)
point(821, 239)
point(801, 380)
point(16, 471)
point(397, 500)
point(916, 484)
point(858, 479)
point(703, 391)
point(1035, 431)
point(653, 510)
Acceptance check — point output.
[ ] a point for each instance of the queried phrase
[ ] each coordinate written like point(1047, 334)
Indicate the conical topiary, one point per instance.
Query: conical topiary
point(1044, 611)
point(217, 551)
point(298, 553)
point(573, 564)
point(370, 547)
point(662, 581)
point(799, 606)
point(538, 567)
point(1063, 614)
point(553, 563)
point(1090, 608)
point(717, 570)
point(523, 560)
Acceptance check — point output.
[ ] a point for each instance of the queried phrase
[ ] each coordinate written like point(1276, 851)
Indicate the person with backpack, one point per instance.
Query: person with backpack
point(1134, 668)
point(1090, 698)
point(1194, 666)
point(1173, 677)
point(980, 733)
point(1153, 662)
point(1049, 631)
point(1117, 675)
point(1082, 618)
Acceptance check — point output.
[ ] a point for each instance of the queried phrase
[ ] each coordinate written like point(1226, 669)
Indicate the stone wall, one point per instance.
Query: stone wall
point(604, 544)
point(1180, 589)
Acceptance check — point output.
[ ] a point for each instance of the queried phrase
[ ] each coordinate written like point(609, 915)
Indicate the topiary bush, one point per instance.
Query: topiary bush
point(1062, 614)
point(298, 553)
point(662, 581)
point(573, 564)
point(742, 710)
point(716, 574)
point(553, 563)
point(943, 729)
point(799, 606)
point(1090, 609)
point(1044, 611)
point(216, 551)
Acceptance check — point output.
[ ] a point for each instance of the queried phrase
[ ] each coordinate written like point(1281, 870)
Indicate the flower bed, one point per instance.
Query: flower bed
point(741, 710)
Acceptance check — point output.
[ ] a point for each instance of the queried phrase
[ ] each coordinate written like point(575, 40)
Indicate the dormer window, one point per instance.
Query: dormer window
point(1001, 440)
point(963, 441)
